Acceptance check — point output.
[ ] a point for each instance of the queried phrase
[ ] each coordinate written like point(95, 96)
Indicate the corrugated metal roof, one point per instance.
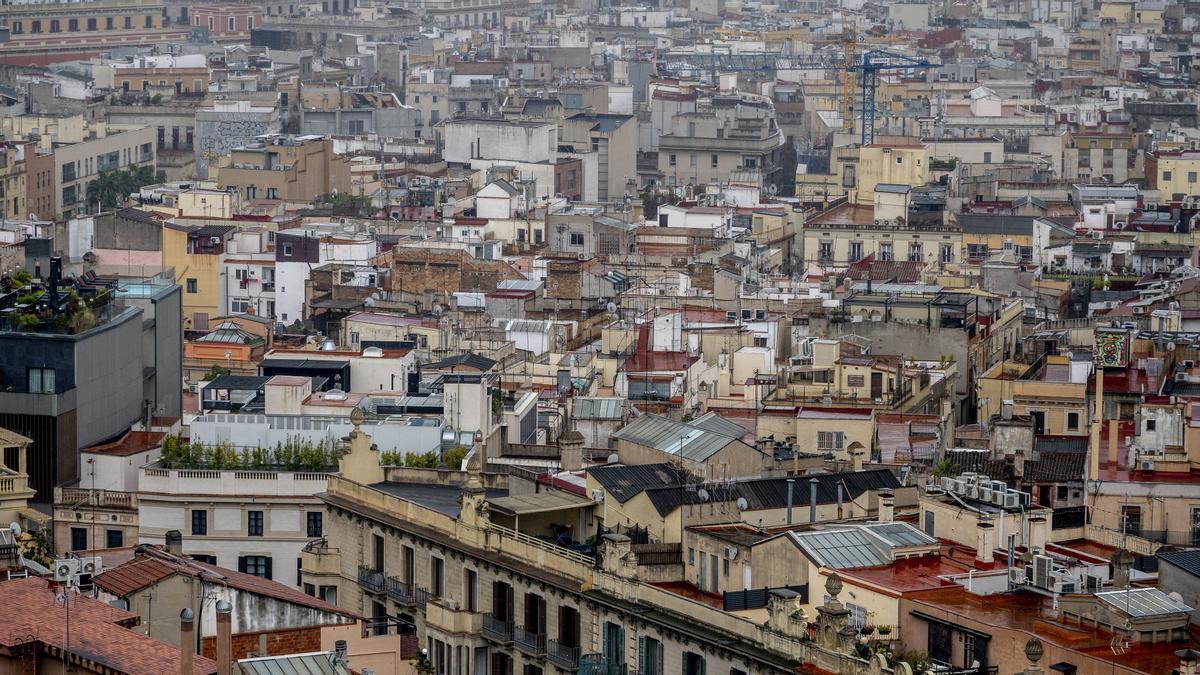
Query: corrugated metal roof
point(595, 408)
point(675, 438)
point(623, 482)
point(715, 423)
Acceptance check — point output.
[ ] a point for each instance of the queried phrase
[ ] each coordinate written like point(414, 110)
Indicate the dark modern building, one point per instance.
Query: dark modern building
point(80, 369)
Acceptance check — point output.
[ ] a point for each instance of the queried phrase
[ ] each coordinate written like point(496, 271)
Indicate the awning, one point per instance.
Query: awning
point(542, 502)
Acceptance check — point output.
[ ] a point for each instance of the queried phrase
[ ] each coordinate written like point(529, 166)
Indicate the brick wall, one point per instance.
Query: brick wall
point(291, 641)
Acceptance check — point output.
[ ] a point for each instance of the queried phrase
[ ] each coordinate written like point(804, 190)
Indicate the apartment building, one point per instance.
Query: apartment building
point(14, 178)
point(51, 32)
point(614, 139)
point(1173, 172)
point(339, 111)
point(726, 134)
point(288, 168)
point(80, 381)
point(489, 598)
point(227, 125)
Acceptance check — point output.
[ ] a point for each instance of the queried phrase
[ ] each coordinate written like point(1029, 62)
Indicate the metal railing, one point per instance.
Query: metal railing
point(562, 655)
point(529, 641)
point(1072, 516)
point(497, 629)
point(371, 580)
point(406, 593)
point(539, 543)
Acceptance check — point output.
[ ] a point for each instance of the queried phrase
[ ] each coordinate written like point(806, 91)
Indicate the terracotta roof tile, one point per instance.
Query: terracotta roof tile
point(100, 633)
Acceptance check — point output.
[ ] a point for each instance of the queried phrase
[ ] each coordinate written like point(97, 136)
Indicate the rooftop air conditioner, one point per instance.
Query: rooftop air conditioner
point(214, 240)
point(65, 568)
point(1146, 465)
point(1016, 576)
point(91, 566)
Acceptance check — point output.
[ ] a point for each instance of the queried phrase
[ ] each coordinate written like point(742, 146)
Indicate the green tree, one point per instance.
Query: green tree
point(944, 468)
point(111, 188)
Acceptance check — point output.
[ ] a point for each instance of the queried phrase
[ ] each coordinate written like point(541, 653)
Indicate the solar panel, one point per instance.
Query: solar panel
point(1143, 602)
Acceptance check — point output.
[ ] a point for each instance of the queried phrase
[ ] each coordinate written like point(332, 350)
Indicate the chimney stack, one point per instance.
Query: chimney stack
point(187, 641)
point(812, 500)
point(856, 459)
point(1097, 421)
point(887, 507)
point(985, 542)
point(174, 544)
point(1121, 563)
point(224, 638)
point(1037, 533)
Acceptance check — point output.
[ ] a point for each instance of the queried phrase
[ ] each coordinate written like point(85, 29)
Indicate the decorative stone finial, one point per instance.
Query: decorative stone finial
point(833, 585)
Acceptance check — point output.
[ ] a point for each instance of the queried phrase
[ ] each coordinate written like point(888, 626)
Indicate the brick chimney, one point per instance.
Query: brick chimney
point(187, 641)
point(224, 638)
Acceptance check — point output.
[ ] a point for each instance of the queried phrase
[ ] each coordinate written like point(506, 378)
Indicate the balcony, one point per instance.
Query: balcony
point(562, 655)
point(529, 642)
point(73, 497)
point(497, 629)
point(406, 593)
point(371, 580)
point(596, 664)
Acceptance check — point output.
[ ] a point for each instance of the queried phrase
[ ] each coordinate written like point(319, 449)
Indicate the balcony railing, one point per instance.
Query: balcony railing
point(497, 629)
point(530, 642)
point(76, 497)
point(562, 655)
point(406, 593)
point(596, 664)
point(371, 580)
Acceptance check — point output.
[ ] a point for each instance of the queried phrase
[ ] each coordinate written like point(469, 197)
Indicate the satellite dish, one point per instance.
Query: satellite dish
point(437, 310)
point(772, 189)
point(742, 504)
point(702, 495)
point(613, 458)
point(611, 307)
point(16, 528)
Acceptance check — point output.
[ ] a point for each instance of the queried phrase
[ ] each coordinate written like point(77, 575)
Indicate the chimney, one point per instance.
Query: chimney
point(1114, 431)
point(791, 486)
point(174, 542)
point(985, 542)
point(187, 641)
point(812, 500)
point(856, 459)
point(887, 507)
point(1188, 660)
point(224, 638)
point(1121, 562)
point(570, 446)
point(1097, 421)
point(840, 499)
point(1037, 533)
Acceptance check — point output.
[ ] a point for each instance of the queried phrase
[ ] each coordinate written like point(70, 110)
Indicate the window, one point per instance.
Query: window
point(577, 239)
point(692, 159)
point(149, 22)
point(192, 286)
point(315, 523)
point(1191, 176)
point(725, 567)
point(73, 25)
point(987, 158)
point(68, 172)
point(650, 656)
point(204, 558)
point(108, 23)
point(1072, 421)
point(239, 306)
point(328, 594)
point(856, 380)
point(258, 565)
point(199, 522)
point(55, 26)
point(856, 251)
point(828, 441)
point(1151, 425)
point(899, 159)
point(693, 664)
point(254, 523)
point(79, 538)
point(614, 643)
point(1062, 493)
point(671, 159)
point(915, 252)
point(437, 576)
point(41, 380)
point(1195, 525)
point(1166, 174)
point(825, 250)
point(232, 24)
point(947, 254)
point(885, 252)
point(714, 160)
point(273, 193)
point(1131, 519)
point(114, 538)
point(471, 590)
point(287, 250)
point(35, 27)
point(129, 22)
point(17, 28)
point(356, 127)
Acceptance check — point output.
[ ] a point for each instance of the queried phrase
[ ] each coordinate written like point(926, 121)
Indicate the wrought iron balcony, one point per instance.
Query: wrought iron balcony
point(529, 641)
point(562, 655)
point(371, 580)
point(497, 629)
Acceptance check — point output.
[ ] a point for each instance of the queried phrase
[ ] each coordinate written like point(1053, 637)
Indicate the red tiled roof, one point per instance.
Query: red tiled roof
point(146, 570)
point(31, 615)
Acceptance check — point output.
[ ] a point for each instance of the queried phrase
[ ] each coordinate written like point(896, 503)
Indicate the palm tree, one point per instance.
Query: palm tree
point(944, 468)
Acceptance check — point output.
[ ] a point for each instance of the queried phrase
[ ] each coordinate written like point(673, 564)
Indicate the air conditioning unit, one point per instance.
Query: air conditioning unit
point(731, 553)
point(65, 569)
point(1012, 500)
point(214, 240)
point(1016, 576)
point(1146, 465)
point(949, 484)
point(1094, 583)
point(983, 494)
point(998, 497)
point(598, 496)
point(91, 566)
point(1042, 567)
point(1066, 587)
